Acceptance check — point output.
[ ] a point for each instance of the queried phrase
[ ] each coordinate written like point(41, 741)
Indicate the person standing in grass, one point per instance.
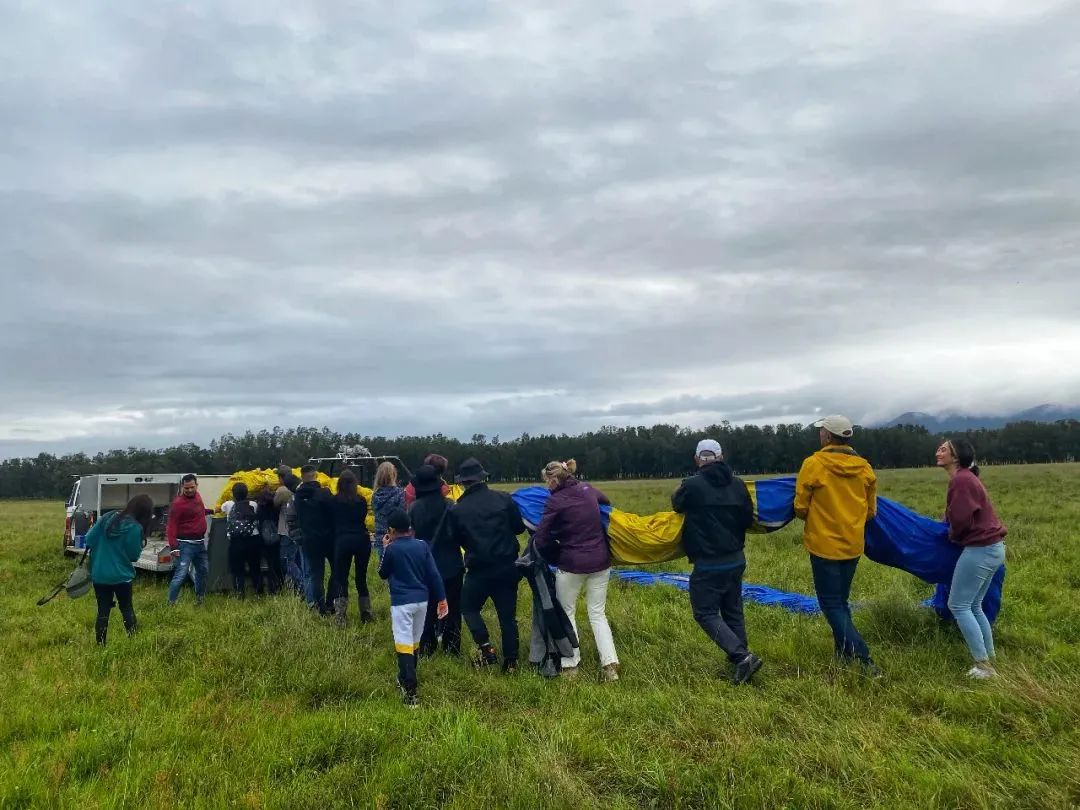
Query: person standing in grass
point(429, 517)
point(441, 464)
point(312, 502)
point(572, 536)
point(115, 543)
point(352, 547)
point(289, 536)
point(414, 581)
point(387, 497)
point(245, 540)
point(185, 533)
point(835, 494)
point(974, 525)
point(718, 511)
point(486, 523)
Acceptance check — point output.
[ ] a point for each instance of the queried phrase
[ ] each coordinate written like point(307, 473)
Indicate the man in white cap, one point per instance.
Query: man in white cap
point(718, 512)
point(835, 494)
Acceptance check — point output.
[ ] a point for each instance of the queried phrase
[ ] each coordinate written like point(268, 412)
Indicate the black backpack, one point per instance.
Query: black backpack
point(241, 523)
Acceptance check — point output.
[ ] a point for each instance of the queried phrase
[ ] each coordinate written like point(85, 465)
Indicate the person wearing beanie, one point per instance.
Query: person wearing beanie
point(718, 511)
point(835, 494)
point(410, 571)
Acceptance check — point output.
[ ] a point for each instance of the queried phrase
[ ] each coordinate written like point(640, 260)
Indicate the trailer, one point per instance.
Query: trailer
point(95, 495)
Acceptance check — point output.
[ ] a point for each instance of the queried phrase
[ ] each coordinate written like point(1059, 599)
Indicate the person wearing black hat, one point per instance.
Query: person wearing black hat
point(414, 582)
point(486, 523)
point(428, 514)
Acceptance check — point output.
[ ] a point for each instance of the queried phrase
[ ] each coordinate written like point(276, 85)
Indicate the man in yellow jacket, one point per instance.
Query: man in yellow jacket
point(835, 494)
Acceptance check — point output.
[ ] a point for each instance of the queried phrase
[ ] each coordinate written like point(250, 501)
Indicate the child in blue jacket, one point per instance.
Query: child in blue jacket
point(414, 580)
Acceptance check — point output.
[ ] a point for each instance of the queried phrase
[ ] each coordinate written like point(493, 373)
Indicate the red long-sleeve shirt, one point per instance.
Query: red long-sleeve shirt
point(969, 513)
point(187, 520)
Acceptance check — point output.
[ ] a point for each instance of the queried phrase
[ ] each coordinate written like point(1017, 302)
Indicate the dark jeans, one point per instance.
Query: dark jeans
point(832, 581)
point(275, 574)
point(451, 625)
point(499, 585)
point(246, 553)
point(350, 552)
point(318, 554)
point(104, 595)
point(716, 599)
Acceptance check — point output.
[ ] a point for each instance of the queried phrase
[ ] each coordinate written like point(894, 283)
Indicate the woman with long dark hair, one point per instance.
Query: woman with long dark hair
point(351, 548)
point(974, 525)
point(115, 543)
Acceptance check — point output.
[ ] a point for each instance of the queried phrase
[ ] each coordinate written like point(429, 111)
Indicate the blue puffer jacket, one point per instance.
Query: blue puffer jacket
point(384, 501)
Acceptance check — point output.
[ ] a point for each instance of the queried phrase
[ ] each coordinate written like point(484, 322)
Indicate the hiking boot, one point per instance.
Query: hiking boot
point(570, 673)
point(509, 666)
point(745, 669)
point(486, 656)
point(609, 673)
point(409, 698)
point(366, 616)
point(341, 605)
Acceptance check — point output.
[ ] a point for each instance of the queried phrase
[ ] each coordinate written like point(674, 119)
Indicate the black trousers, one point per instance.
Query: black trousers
point(451, 625)
point(245, 560)
point(716, 599)
point(350, 551)
point(105, 594)
point(500, 586)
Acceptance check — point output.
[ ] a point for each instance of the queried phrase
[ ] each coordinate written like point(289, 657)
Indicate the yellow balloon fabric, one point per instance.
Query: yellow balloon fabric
point(641, 539)
point(259, 481)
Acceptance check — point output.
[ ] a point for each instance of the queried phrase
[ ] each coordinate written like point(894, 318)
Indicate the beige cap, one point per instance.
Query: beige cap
point(837, 425)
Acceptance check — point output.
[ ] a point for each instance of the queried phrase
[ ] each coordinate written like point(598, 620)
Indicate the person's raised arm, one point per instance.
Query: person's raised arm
point(804, 488)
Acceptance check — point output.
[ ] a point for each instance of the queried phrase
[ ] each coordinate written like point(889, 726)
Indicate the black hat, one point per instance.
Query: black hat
point(470, 471)
point(426, 480)
point(398, 521)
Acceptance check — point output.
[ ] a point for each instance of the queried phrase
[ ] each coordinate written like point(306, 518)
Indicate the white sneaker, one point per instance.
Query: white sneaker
point(980, 674)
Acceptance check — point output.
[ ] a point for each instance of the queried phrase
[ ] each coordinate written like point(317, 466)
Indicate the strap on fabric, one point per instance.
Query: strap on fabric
point(46, 599)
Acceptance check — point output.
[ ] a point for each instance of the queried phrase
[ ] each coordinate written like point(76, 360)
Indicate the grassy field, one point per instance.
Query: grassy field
point(260, 704)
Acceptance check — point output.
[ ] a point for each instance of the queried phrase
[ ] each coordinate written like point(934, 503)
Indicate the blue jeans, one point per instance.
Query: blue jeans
point(832, 581)
point(193, 558)
point(971, 580)
point(315, 559)
point(291, 562)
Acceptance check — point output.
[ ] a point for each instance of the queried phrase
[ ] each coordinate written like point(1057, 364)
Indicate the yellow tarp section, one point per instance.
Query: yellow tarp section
point(640, 539)
point(260, 480)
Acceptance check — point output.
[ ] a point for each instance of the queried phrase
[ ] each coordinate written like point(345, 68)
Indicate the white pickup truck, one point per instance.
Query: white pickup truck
point(94, 495)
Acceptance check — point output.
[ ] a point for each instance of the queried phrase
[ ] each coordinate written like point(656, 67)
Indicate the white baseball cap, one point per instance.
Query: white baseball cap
point(837, 425)
point(708, 446)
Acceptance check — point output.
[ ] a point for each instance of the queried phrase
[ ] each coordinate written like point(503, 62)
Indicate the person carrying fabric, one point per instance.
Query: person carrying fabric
point(836, 494)
point(245, 541)
point(292, 561)
point(352, 547)
point(387, 497)
point(313, 504)
point(414, 581)
point(268, 517)
point(429, 517)
point(114, 543)
point(974, 525)
point(486, 523)
point(571, 535)
point(185, 532)
point(441, 464)
point(718, 511)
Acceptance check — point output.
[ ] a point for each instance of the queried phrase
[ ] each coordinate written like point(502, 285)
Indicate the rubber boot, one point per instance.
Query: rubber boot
point(101, 629)
point(341, 605)
point(366, 616)
point(130, 624)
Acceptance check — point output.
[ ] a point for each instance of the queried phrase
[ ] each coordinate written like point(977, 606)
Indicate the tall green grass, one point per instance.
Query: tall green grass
point(260, 704)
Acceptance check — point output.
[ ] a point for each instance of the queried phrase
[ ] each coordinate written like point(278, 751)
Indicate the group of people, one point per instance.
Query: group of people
point(444, 559)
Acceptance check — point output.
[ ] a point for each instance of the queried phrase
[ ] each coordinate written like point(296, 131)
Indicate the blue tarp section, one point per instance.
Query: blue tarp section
point(762, 594)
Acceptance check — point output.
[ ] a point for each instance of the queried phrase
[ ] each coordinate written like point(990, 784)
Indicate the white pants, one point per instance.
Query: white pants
point(408, 624)
point(567, 588)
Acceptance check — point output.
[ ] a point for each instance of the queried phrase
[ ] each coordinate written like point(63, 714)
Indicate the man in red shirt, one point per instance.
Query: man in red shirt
point(185, 533)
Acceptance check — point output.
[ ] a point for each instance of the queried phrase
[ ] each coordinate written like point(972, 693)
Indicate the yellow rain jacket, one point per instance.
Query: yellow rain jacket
point(835, 493)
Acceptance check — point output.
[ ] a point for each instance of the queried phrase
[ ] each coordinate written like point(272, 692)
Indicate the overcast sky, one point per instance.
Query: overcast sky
point(477, 217)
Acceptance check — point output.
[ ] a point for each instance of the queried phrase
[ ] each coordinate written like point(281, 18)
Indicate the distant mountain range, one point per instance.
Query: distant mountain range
point(940, 423)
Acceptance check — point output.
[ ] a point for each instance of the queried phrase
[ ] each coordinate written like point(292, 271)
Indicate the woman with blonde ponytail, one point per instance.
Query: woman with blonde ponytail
point(571, 535)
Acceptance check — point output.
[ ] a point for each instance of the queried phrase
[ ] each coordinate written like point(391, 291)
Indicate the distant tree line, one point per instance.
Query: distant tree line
point(660, 451)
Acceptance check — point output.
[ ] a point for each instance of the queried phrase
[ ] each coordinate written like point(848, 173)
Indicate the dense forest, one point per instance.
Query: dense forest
point(659, 451)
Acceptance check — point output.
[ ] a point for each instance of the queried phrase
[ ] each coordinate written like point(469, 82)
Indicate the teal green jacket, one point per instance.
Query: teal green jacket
point(111, 558)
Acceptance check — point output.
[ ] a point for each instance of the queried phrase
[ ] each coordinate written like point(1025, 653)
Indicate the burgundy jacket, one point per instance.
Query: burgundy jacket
point(969, 513)
point(571, 533)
